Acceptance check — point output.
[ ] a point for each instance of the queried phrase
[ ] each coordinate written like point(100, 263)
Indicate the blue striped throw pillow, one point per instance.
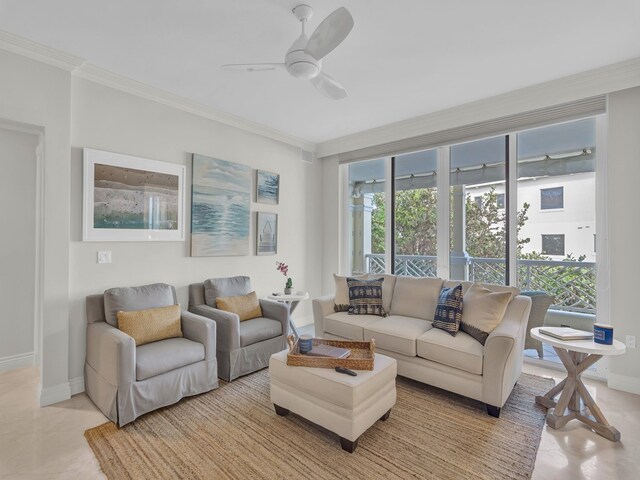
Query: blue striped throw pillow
point(365, 297)
point(449, 310)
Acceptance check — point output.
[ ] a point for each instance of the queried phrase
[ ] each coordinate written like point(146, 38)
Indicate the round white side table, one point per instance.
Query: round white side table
point(292, 300)
point(577, 356)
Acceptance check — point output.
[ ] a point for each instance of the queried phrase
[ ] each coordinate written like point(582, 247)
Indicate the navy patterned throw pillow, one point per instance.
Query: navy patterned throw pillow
point(365, 297)
point(449, 310)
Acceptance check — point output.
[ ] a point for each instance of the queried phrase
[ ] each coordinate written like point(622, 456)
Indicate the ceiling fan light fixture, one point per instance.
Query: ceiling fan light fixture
point(303, 70)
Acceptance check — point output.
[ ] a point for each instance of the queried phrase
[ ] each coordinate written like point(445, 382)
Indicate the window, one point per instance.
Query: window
point(478, 247)
point(500, 200)
point(553, 244)
point(416, 214)
point(367, 216)
point(551, 198)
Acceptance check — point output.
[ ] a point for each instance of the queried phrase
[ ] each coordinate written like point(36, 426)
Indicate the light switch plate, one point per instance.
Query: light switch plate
point(104, 257)
point(630, 341)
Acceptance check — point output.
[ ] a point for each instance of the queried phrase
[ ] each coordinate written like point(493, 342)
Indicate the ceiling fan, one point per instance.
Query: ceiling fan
point(304, 58)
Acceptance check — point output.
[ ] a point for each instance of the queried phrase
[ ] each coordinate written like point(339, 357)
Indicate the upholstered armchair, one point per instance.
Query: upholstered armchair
point(125, 381)
point(243, 347)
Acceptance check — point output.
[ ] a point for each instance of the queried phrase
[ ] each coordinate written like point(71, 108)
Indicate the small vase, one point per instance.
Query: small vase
point(288, 291)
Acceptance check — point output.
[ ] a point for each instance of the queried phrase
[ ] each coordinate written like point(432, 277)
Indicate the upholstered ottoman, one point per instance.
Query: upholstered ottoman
point(340, 403)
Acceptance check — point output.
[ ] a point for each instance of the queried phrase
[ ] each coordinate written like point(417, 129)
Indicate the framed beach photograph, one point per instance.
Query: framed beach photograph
point(220, 202)
point(267, 187)
point(128, 198)
point(267, 234)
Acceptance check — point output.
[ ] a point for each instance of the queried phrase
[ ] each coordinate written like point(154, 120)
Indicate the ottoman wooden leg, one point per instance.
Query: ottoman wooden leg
point(385, 416)
point(281, 411)
point(348, 445)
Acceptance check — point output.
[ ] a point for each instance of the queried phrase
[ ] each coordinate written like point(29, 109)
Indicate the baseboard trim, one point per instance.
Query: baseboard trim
point(624, 383)
point(13, 362)
point(76, 385)
point(55, 394)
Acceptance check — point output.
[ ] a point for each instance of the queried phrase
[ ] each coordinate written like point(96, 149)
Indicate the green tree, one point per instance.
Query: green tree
point(416, 224)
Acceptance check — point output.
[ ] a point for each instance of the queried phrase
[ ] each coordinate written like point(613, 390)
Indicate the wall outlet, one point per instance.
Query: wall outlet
point(630, 341)
point(104, 257)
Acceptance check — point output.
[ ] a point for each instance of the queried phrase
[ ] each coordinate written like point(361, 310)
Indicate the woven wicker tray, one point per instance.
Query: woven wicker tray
point(362, 355)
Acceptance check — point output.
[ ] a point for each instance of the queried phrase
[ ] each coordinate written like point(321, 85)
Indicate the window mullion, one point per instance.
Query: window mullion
point(443, 207)
point(512, 210)
point(389, 233)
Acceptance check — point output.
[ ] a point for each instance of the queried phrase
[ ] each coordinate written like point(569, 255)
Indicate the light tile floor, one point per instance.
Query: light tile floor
point(48, 443)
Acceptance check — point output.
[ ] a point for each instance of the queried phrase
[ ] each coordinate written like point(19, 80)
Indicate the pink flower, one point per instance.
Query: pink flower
point(282, 268)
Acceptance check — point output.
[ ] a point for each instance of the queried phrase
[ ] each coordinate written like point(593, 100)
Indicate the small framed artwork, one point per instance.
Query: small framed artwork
point(267, 187)
point(129, 198)
point(267, 234)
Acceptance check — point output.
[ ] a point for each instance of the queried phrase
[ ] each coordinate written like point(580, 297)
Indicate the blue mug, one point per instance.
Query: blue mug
point(306, 343)
point(603, 333)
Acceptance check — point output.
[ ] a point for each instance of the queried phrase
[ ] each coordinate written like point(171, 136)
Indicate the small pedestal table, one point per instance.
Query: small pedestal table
point(292, 300)
point(577, 356)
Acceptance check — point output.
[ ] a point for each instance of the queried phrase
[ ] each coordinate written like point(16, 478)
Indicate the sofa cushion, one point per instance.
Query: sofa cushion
point(483, 311)
point(245, 306)
point(462, 351)
point(258, 329)
point(344, 325)
point(397, 333)
point(160, 357)
point(415, 297)
point(136, 298)
point(151, 325)
point(225, 287)
point(449, 310)
point(365, 297)
point(341, 298)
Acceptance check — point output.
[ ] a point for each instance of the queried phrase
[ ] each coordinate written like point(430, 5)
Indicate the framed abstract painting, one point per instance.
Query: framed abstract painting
point(128, 198)
point(220, 202)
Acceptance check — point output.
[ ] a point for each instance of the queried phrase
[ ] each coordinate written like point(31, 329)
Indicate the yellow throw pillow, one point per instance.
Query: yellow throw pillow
point(151, 325)
point(245, 306)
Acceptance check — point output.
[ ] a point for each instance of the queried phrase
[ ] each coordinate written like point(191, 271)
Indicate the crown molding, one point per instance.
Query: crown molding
point(90, 72)
point(591, 83)
point(82, 69)
point(36, 51)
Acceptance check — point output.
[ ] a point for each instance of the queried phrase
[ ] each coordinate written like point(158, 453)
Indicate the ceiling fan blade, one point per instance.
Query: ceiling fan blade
point(252, 67)
point(330, 33)
point(328, 86)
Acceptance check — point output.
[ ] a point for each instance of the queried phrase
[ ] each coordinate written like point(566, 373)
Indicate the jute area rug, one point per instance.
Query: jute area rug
point(233, 432)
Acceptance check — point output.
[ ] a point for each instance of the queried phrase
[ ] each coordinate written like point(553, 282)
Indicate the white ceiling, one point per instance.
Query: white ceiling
point(403, 58)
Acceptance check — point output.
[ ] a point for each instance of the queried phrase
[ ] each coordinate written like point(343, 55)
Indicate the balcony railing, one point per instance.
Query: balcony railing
point(571, 283)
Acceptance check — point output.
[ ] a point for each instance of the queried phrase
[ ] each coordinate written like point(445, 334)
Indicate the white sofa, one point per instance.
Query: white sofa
point(458, 364)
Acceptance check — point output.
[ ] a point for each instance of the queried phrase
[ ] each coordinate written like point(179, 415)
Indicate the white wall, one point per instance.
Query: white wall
point(38, 95)
point(107, 119)
point(332, 212)
point(623, 199)
point(17, 247)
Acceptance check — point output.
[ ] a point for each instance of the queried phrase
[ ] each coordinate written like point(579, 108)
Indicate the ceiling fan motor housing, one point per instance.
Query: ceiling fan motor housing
point(299, 63)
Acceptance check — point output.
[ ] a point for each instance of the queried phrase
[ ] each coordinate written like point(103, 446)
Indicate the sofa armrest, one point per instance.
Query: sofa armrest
point(200, 329)
point(227, 326)
point(322, 306)
point(111, 353)
point(276, 311)
point(503, 352)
